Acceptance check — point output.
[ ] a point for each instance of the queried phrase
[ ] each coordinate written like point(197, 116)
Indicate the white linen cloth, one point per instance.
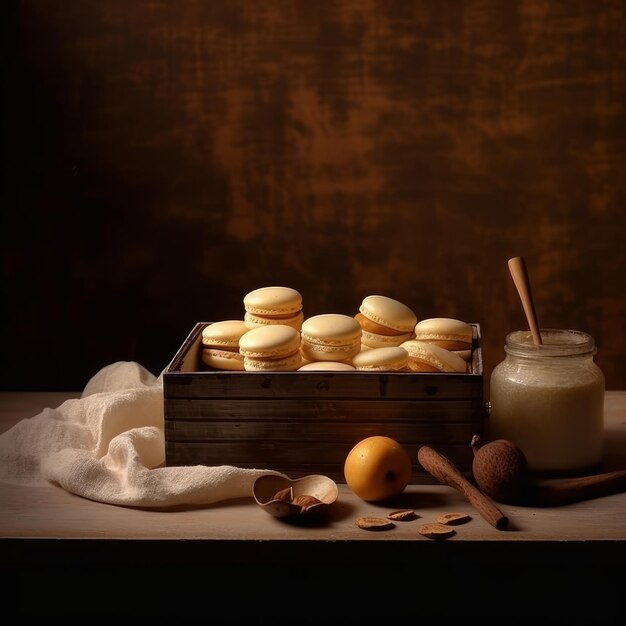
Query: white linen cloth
point(109, 445)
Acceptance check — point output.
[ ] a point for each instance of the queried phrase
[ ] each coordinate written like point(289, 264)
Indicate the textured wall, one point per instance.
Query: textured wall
point(163, 158)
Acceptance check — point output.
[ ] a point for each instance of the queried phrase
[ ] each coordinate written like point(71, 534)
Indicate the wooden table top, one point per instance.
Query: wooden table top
point(51, 512)
point(51, 540)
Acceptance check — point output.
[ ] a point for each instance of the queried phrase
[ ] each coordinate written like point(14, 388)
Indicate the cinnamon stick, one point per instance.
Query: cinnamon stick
point(568, 490)
point(446, 472)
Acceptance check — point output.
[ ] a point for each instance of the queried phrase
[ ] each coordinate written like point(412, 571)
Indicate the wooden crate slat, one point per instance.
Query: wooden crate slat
point(359, 385)
point(297, 430)
point(292, 453)
point(314, 409)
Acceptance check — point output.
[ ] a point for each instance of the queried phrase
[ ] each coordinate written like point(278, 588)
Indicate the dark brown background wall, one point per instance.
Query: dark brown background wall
point(163, 158)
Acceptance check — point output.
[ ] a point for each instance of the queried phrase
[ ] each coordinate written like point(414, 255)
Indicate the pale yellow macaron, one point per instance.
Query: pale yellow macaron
point(327, 366)
point(448, 333)
point(295, 321)
point(386, 322)
point(427, 357)
point(391, 359)
point(273, 305)
point(376, 340)
point(330, 337)
point(273, 347)
point(220, 344)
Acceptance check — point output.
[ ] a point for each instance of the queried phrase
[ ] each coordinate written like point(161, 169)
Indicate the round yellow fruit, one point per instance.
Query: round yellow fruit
point(377, 468)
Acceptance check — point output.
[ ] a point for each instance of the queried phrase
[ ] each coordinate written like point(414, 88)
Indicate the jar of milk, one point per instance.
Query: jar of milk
point(549, 400)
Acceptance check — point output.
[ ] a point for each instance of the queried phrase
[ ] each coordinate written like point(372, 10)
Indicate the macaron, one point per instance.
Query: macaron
point(385, 322)
point(220, 344)
point(330, 337)
point(273, 305)
point(446, 332)
point(391, 359)
point(427, 357)
point(273, 347)
point(327, 366)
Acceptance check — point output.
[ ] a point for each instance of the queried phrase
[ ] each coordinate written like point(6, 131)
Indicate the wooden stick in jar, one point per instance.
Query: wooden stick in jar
point(517, 267)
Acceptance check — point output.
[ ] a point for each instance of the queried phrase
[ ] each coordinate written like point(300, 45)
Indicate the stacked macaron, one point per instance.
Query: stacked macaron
point(440, 344)
point(330, 337)
point(271, 348)
point(273, 305)
point(220, 345)
point(448, 333)
point(389, 359)
point(385, 322)
point(427, 357)
point(327, 366)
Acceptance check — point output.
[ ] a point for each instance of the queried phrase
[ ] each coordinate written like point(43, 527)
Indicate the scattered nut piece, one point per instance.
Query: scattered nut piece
point(374, 523)
point(306, 502)
point(453, 519)
point(436, 531)
point(285, 494)
point(403, 516)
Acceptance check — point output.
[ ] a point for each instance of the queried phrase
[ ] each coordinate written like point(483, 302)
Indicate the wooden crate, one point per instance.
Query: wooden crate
point(306, 422)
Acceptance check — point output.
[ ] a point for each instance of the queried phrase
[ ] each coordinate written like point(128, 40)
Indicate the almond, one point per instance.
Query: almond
point(285, 494)
point(306, 501)
point(454, 519)
point(436, 531)
point(374, 523)
point(402, 516)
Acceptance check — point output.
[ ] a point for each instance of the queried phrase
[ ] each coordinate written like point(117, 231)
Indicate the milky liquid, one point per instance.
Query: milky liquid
point(552, 411)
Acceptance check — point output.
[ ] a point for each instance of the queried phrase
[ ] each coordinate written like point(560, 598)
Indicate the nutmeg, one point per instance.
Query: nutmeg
point(501, 470)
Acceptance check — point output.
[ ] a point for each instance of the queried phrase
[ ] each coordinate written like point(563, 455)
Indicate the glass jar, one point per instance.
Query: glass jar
point(549, 400)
